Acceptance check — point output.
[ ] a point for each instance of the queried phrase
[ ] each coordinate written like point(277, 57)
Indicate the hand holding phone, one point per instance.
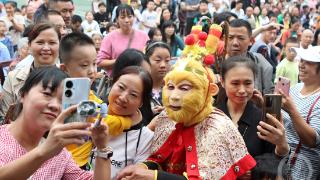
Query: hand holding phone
point(282, 84)
point(272, 105)
point(75, 90)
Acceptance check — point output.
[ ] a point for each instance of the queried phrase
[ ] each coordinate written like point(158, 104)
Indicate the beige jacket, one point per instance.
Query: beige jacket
point(13, 83)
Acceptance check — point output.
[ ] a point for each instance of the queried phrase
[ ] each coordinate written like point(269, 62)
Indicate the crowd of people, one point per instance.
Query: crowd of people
point(184, 81)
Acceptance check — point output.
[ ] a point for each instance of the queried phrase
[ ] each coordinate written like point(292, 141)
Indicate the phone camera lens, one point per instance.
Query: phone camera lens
point(68, 93)
point(69, 84)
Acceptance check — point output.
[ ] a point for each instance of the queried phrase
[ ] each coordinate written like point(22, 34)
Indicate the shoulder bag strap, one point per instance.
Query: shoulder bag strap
point(296, 152)
point(130, 39)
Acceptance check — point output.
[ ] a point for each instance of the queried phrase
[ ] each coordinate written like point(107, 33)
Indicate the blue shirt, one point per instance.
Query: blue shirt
point(4, 53)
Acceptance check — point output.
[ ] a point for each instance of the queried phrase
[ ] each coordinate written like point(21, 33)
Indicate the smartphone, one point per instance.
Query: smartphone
point(75, 90)
point(282, 84)
point(272, 105)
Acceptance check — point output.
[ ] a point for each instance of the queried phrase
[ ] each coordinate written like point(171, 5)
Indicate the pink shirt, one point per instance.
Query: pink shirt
point(60, 166)
point(116, 42)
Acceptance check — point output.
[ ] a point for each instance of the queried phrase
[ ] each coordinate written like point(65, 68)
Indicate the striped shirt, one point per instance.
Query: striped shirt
point(307, 165)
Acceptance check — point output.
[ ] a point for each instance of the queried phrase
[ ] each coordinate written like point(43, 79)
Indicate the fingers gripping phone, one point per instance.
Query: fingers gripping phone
point(282, 84)
point(272, 105)
point(75, 90)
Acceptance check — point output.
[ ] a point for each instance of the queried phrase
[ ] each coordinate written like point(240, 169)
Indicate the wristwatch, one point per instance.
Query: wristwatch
point(105, 153)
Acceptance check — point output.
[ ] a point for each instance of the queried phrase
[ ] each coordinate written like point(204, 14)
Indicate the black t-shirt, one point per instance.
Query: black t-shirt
point(101, 17)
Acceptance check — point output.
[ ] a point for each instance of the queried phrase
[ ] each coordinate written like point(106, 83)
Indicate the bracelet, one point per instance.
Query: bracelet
point(105, 153)
point(155, 174)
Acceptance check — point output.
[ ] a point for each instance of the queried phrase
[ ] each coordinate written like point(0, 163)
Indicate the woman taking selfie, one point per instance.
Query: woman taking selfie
point(131, 89)
point(301, 119)
point(24, 148)
point(237, 78)
point(119, 40)
point(43, 43)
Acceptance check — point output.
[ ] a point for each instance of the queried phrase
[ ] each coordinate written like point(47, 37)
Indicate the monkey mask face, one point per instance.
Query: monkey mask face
point(188, 91)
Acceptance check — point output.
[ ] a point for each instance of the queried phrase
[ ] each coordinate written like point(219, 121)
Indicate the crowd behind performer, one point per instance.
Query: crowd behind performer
point(66, 9)
point(159, 56)
point(130, 90)
point(237, 79)
point(125, 36)
point(239, 39)
point(190, 130)
point(25, 150)
point(170, 37)
point(301, 116)
point(155, 35)
point(89, 25)
point(43, 43)
point(14, 23)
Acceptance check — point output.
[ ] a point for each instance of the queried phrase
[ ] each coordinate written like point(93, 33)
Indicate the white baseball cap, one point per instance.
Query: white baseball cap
point(311, 54)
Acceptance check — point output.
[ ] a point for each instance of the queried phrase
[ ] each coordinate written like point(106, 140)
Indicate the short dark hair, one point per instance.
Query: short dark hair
point(76, 18)
point(70, 41)
point(49, 76)
point(102, 4)
point(109, 25)
point(12, 3)
point(234, 61)
point(44, 17)
point(156, 44)
point(291, 40)
point(224, 16)
point(129, 57)
point(38, 28)
point(236, 23)
point(152, 32)
point(53, 2)
point(203, 1)
point(315, 39)
point(124, 8)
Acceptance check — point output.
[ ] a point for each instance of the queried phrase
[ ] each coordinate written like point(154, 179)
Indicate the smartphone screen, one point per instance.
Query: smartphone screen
point(272, 105)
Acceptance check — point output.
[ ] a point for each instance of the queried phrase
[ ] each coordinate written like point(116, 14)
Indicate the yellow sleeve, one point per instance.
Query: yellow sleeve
point(117, 124)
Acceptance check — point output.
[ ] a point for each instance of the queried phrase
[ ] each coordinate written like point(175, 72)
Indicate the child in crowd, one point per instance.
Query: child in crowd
point(149, 16)
point(288, 67)
point(89, 25)
point(78, 59)
point(110, 27)
point(102, 16)
point(155, 34)
point(138, 17)
point(5, 39)
point(76, 21)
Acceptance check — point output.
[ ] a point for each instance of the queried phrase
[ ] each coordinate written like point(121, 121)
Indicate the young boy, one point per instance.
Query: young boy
point(78, 59)
point(288, 67)
point(204, 16)
point(102, 16)
point(149, 16)
point(5, 39)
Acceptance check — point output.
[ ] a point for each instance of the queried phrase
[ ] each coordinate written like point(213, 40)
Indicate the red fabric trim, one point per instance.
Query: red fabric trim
point(189, 140)
point(244, 165)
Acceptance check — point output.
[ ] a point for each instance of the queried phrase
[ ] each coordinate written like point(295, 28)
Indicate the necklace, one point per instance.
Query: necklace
point(311, 93)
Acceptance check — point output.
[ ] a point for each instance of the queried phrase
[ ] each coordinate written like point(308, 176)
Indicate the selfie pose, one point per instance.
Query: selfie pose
point(237, 79)
point(301, 117)
point(24, 148)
